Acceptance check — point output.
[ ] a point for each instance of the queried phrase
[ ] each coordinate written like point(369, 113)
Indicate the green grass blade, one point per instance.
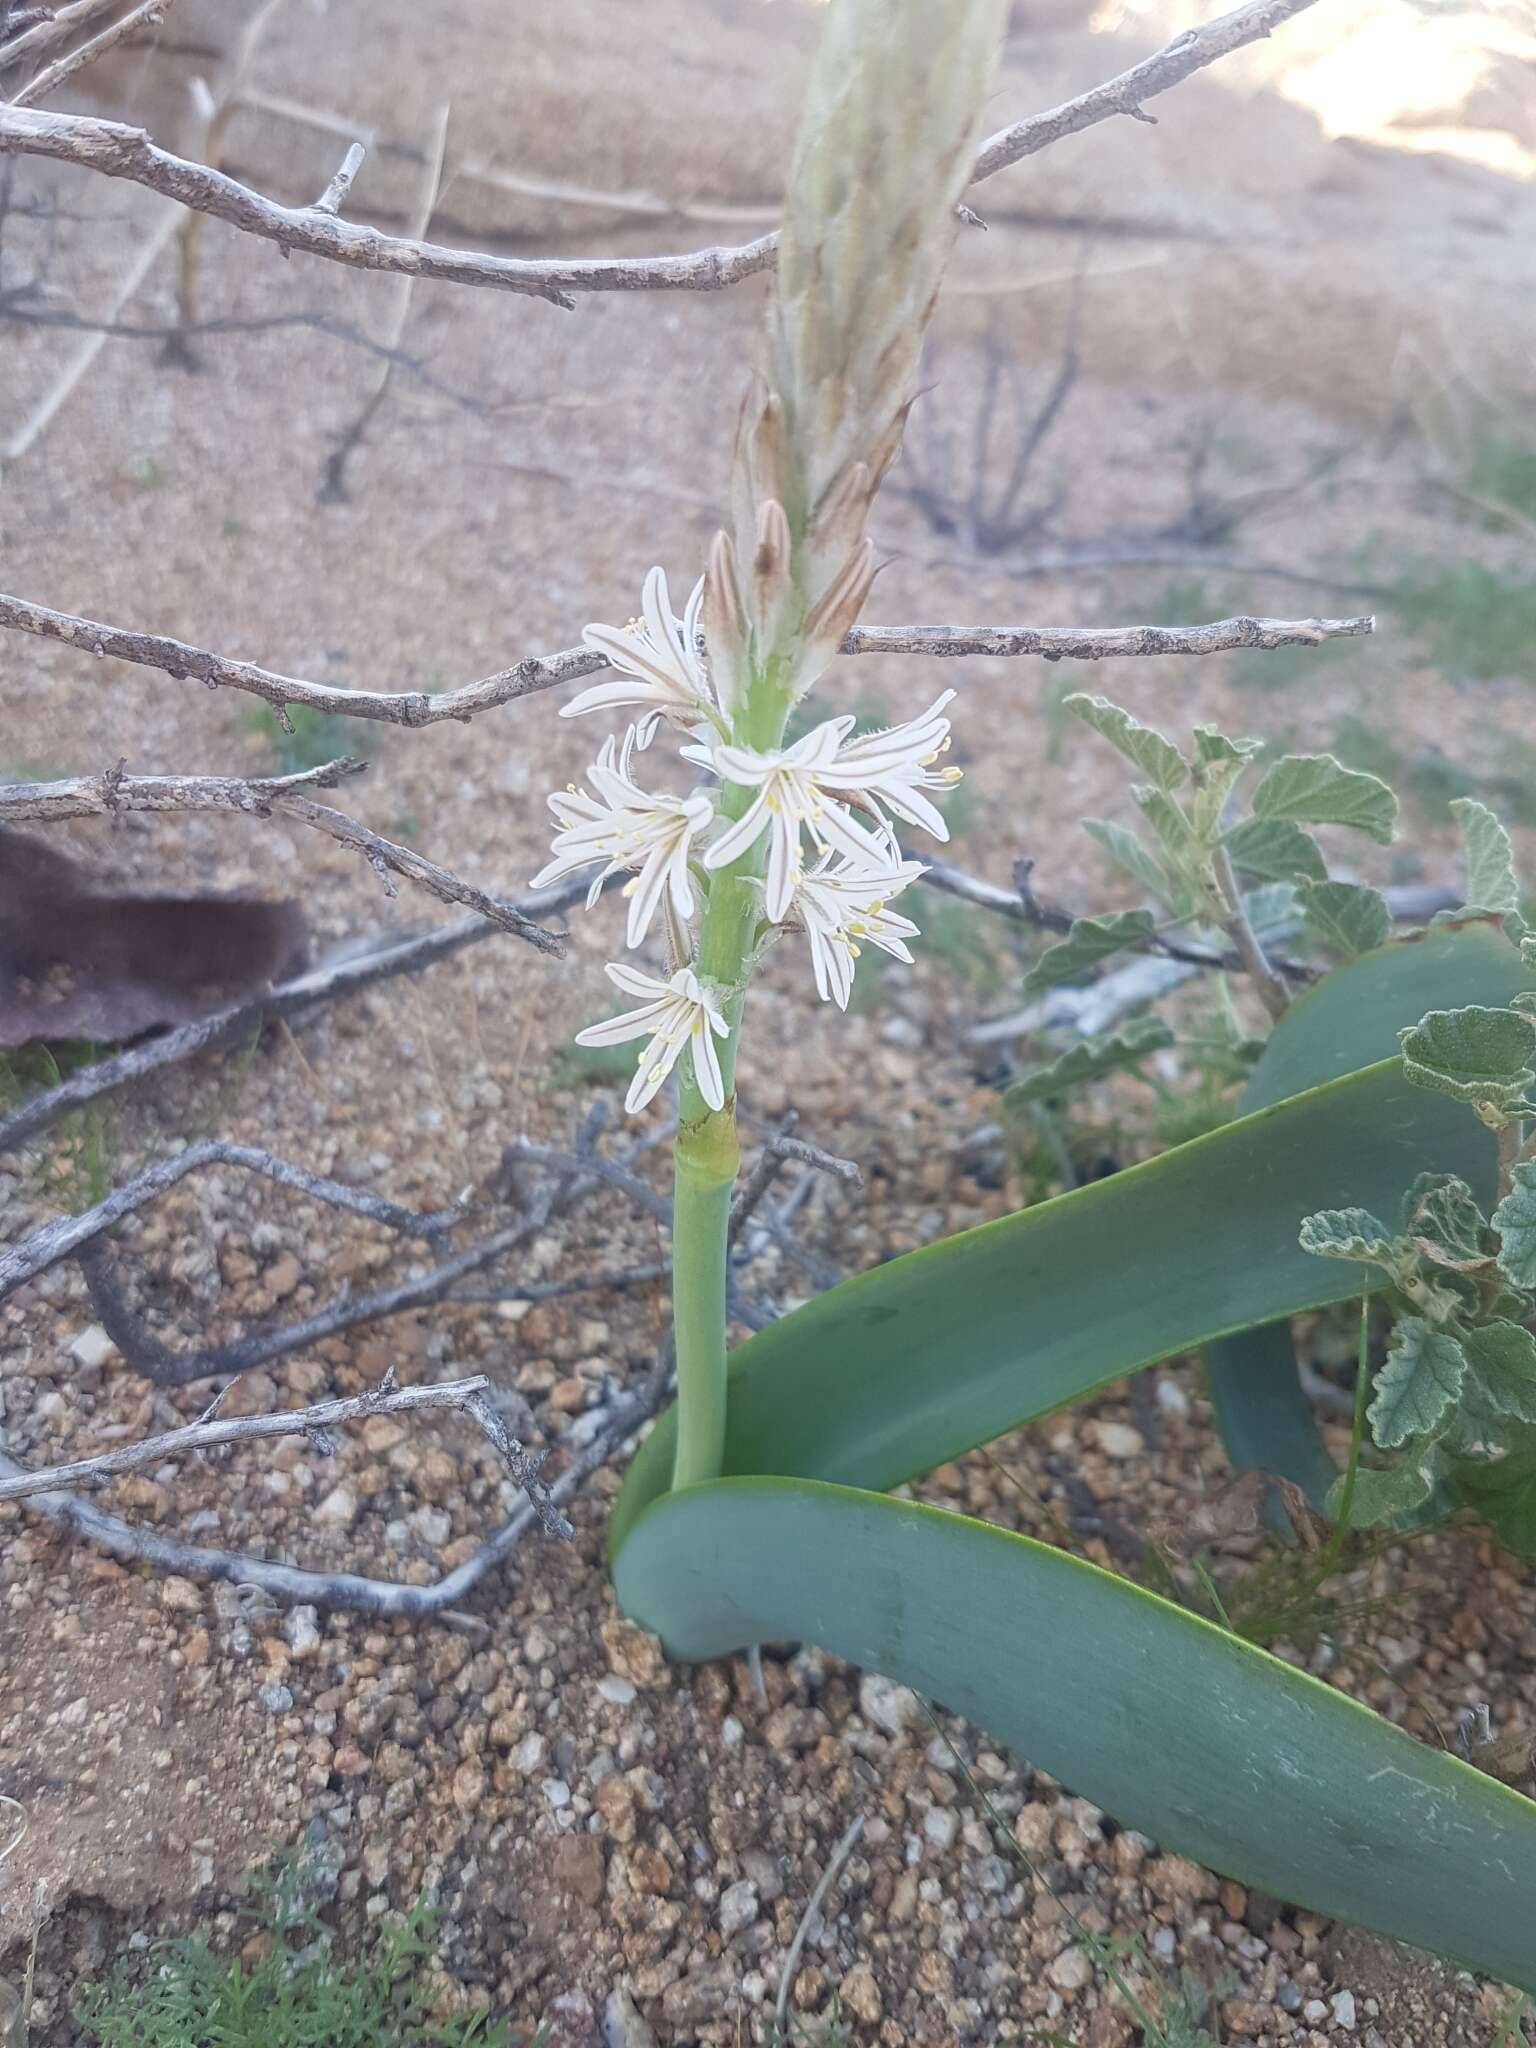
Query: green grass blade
point(1212, 1746)
point(1351, 1018)
point(946, 1348)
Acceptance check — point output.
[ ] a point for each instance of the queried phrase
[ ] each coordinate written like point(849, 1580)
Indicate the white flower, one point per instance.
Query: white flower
point(673, 1014)
point(841, 905)
point(889, 770)
point(628, 827)
point(794, 785)
point(658, 659)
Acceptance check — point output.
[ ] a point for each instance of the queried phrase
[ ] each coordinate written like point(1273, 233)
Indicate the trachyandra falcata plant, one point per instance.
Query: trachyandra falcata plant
point(797, 837)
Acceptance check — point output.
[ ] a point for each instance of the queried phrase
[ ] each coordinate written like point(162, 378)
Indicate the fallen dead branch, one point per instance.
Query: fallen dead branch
point(467, 1397)
point(116, 151)
point(549, 671)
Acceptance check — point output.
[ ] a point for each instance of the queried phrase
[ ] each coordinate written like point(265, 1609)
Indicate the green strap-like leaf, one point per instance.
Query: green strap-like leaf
point(1473, 1054)
point(920, 1359)
point(1349, 1019)
point(1275, 851)
point(1315, 789)
point(1491, 883)
point(1211, 1746)
point(1158, 759)
point(1346, 917)
point(1091, 941)
point(1515, 1221)
point(1091, 1060)
point(1418, 1384)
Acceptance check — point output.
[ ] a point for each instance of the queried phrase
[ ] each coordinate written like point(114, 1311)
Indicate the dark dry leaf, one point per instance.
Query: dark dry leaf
point(79, 959)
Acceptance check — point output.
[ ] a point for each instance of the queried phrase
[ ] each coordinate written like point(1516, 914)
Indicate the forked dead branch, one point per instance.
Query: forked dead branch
point(538, 1184)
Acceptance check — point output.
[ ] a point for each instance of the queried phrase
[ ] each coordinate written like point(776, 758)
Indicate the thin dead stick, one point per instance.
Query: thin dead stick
point(1100, 1006)
point(88, 796)
point(56, 29)
point(708, 213)
point(545, 672)
point(63, 1237)
point(349, 1589)
point(161, 234)
point(814, 1905)
point(147, 15)
point(332, 980)
point(215, 107)
point(97, 796)
point(1104, 643)
point(467, 1396)
point(334, 485)
point(386, 856)
point(117, 151)
point(338, 191)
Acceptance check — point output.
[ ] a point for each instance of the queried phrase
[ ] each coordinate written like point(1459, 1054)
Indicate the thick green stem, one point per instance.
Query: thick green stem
point(701, 1214)
point(707, 1154)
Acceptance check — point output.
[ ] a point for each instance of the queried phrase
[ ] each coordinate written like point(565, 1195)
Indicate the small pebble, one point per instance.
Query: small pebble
point(738, 1907)
point(1344, 2010)
point(277, 1699)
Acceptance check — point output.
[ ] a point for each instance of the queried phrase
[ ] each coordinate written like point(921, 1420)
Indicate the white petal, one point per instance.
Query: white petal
point(838, 827)
point(735, 839)
point(647, 894)
point(783, 866)
point(606, 696)
point(706, 1064)
point(658, 1060)
point(622, 975)
point(619, 1030)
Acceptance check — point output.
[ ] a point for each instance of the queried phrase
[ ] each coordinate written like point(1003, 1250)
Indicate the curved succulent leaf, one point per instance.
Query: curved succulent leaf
point(1212, 1746)
point(947, 1347)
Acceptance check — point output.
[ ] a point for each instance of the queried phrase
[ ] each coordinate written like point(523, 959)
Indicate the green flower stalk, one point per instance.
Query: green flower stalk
point(885, 149)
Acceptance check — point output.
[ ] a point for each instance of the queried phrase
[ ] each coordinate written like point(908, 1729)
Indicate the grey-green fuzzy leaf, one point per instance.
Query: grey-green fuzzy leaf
point(1091, 1061)
point(1502, 1359)
point(1515, 1221)
point(1491, 883)
point(1127, 850)
point(1347, 917)
point(1275, 850)
point(1348, 1234)
point(1418, 1384)
point(1315, 789)
point(1474, 1054)
point(1090, 941)
point(1445, 1222)
point(1157, 758)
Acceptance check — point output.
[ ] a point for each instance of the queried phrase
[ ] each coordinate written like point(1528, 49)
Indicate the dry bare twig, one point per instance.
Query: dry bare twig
point(117, 151)
point(466, 1396)
point(105, 795)
point(65, 1235)
point(147, 15)
point(54, 28)
point(547, 672)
